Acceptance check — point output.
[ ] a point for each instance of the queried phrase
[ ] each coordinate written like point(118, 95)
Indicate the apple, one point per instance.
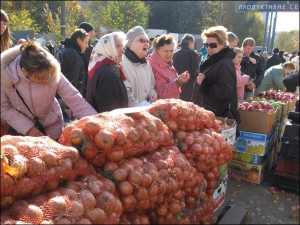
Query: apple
point(242, 107)
point(246, 104)
point(255, 103)
point(251, 108)
point(260, 94)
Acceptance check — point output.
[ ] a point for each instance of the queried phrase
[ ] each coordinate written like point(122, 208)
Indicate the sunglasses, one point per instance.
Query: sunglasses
point(211, 45)
point(141, 40)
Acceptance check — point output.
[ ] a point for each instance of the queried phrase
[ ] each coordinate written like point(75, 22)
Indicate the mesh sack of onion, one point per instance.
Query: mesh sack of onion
point(206, 150)
point(32, 165)
point(110, 136)
point(181, 115)
point(90, 199)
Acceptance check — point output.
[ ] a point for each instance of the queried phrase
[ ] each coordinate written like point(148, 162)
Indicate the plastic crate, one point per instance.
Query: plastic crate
point(294, 117)
point(286, 182)
point(287, 167)
point(292, 131)
point(289, 149)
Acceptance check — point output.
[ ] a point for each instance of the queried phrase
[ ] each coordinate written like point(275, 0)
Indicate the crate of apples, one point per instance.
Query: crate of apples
point(272, 94)
point(259, 106)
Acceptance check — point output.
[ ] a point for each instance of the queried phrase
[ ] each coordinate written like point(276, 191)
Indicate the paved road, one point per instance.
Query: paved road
point(269, 205)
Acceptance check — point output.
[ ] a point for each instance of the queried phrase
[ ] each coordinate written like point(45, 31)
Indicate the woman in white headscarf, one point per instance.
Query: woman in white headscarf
point(105, 89)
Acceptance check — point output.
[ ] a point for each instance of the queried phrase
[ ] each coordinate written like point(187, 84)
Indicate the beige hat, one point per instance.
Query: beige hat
point(132, 34)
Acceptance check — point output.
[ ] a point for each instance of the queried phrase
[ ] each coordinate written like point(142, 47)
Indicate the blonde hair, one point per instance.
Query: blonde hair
point(218, 32)
point(35, 59)
point(238, 50)
point(289, 64)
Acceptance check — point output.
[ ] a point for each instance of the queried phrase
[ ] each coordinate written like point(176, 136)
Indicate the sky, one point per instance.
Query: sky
point(287, 21)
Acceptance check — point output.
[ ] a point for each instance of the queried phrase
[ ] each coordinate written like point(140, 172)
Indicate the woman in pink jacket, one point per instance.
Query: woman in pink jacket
point(30, 79)
point(241, 80)
point(167, 81)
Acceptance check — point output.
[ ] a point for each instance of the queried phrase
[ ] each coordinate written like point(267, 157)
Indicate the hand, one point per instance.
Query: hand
point(251, 86)
point(247, 76)
point(184, 77)
point(34, 132)
point(200, 78)
point(152, 97)
point(252, 60)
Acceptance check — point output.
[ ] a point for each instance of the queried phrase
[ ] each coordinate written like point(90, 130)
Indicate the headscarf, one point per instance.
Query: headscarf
point(104, 53)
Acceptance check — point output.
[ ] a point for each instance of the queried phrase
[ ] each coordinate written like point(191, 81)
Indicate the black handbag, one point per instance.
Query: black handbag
point(38, 125)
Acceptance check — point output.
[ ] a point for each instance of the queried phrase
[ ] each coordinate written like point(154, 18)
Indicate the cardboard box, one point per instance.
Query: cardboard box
point(257, 122)
point(229, 134)
point(252, 158)
point(220, 190)
point(248, 172)
point(254, 143)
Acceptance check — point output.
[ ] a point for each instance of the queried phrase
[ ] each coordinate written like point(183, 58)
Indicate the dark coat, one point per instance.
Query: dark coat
point(186, 59)
point(291, 81)
point(217, 92)
point(255, 71)
point(274, 60)
point(73, 65)
point(86, 59)
point(105, 90)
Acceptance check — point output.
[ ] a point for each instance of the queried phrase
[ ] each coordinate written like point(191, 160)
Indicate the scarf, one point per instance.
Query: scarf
point(104, 53)
point(133, 57)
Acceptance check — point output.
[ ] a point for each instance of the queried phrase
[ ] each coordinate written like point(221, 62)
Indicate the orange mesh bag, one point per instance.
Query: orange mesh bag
point(85, 201)
point(32, 165)
point(181, 115)
point(115, 136)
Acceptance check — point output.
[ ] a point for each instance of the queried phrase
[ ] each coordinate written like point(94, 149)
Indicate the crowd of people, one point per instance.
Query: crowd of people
point(123, 70)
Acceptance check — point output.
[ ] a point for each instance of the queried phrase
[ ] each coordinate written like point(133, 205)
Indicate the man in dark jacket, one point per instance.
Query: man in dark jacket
point(87, 54)
point(72, 64)
point(274, 60)
point(186, 59)
point(251, 65)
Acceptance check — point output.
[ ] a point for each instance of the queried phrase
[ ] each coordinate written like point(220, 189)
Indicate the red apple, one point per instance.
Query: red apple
point(246, 104)
point(255, 103)
point(251, 108)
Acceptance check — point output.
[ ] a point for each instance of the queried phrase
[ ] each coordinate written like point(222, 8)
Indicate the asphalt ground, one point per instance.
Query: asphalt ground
point(269, 203)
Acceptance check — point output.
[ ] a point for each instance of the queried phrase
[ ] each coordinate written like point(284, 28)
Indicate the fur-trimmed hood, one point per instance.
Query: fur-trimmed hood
point(10, 66)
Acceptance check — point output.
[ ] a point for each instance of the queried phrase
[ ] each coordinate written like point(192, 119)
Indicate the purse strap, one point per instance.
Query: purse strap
point(24, 103)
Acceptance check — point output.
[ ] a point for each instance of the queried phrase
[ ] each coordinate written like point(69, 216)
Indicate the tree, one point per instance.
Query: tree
point(124, 15)
point(183, 16)
point(243, 24)
point(288, 41)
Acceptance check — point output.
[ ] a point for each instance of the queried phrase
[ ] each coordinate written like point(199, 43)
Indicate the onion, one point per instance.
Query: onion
point(71, 194)
point(162, 209)
point(19, 162)
point(18, 208)
point(35, 167)
point(141, 193)
point(137, 163)
point(21, 191)
point(126, 166)
point(74, 185)
point(146, 180)
point(110, 166)
point(83, 221)
point(161, 164)
point(125, 188)
point(153, 190)
point(7, 201)
point(88, 199)
point(76, 210)
point(109, 185)
point(47, 222)
point(118, 206)
point(97, 216)
point(106, 201)
point(61, 220)
point(115, 155)
point(174, 207)
point(129, 203)
point(134, 177)
point(33, 214)
point(9, 150)
point(58, 205)
point(120, 174)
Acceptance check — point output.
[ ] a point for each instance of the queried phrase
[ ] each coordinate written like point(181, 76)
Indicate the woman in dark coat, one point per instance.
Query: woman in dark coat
point(217, 78)
point(106, 90)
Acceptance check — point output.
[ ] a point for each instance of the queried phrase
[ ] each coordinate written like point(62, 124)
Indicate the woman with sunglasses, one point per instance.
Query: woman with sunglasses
point(139, 76)
point(217, 78)
point(167, 82)
point(30, 79)
point(106, 90)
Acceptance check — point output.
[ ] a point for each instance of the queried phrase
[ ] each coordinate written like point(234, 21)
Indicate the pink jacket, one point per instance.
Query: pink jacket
point(165, 75)
point(39, 97)
point(241, 81)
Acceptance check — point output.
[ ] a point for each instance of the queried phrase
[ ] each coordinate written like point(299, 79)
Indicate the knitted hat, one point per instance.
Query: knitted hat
point(132, 33)
point(86, 26)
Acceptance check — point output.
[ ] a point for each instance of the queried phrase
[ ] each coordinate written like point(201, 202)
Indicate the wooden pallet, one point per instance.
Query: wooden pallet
point(234, 212)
